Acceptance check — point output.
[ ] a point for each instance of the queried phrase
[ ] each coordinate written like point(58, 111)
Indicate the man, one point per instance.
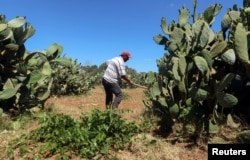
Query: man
point(115, 71)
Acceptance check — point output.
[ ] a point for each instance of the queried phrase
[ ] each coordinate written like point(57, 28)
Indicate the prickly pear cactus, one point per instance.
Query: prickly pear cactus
point(71, 79)
point(27, 78)
point(201, 67)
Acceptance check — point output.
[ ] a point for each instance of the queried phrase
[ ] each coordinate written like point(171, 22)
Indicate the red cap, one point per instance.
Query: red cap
point(126, 54)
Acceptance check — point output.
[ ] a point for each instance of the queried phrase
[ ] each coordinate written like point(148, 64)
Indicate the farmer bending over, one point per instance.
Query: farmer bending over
point(115, 71)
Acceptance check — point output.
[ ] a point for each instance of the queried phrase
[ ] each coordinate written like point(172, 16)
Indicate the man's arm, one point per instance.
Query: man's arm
point(106, 64)
point(124, 77)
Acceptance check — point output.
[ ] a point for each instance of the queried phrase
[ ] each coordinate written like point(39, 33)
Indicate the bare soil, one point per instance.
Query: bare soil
point(132, 101)
point(140, 148)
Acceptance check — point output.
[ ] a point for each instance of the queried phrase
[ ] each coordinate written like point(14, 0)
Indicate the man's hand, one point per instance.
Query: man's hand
point(127, 80)
point(131, 82)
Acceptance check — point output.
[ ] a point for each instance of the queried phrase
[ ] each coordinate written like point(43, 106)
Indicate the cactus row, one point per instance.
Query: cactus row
point(29, 78)
point(201, 68)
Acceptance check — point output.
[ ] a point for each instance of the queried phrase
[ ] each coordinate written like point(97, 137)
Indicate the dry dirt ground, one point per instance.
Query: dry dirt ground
point(75, 105)
point(140, 147)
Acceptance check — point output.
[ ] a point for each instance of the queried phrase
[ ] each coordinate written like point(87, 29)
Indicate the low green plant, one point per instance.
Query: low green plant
point(10, 123)
point(63, 135)
point(5, 123)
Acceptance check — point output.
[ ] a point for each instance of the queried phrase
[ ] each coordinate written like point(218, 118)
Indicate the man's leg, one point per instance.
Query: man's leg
point(109, 94)
point(118, 95)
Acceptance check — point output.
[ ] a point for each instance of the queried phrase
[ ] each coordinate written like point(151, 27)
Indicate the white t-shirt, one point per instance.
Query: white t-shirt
point(115, 69)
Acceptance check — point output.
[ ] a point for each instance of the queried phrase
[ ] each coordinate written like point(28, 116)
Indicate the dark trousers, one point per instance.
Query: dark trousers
point(110, 89)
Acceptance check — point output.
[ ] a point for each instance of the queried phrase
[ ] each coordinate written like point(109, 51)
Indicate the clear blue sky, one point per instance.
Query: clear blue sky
point(93, 31)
